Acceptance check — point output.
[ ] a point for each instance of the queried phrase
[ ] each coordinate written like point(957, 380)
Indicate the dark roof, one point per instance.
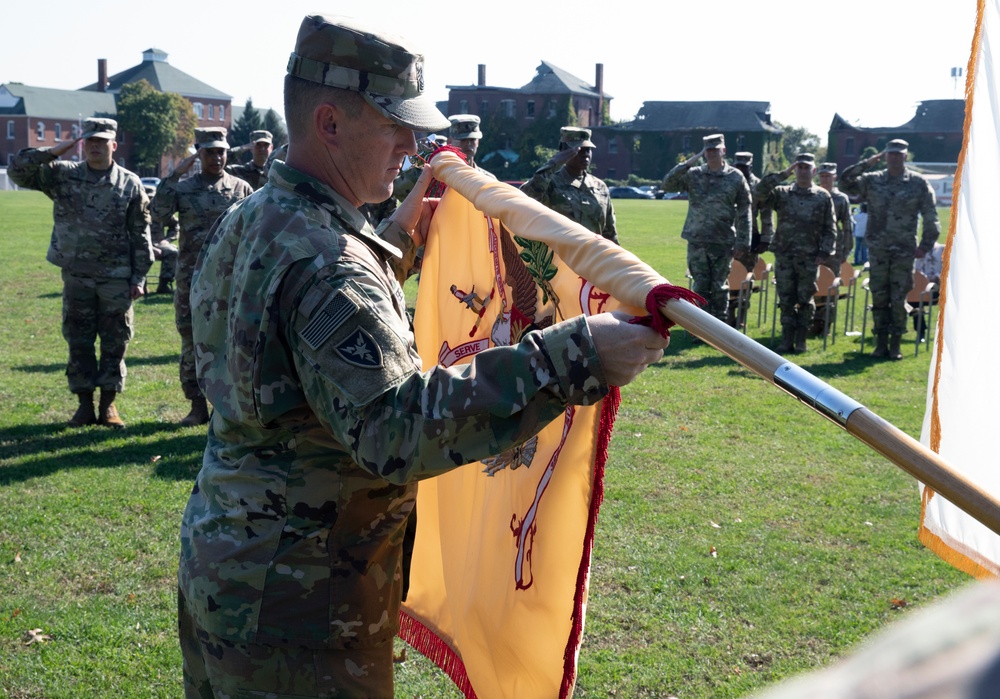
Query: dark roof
point(52, 103)
point(164, 77)
point(548, 80)
point(932, 116)
point(710, 116)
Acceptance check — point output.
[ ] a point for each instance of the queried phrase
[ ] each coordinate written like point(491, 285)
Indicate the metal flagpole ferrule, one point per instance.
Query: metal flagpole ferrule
point(817, 394)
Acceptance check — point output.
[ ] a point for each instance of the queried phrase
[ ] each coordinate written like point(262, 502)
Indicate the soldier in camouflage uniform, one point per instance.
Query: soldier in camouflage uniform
point(842, 210)
point(805, 238)
point(761, 220)
point(896, 196)
point(564, 185)
point(465, 135)
point(290, 573)
point(100, 240)
point(718, 220)
point(198, 201)
point(254, 172)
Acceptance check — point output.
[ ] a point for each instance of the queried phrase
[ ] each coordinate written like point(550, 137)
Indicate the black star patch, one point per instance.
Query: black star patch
point(360, 349)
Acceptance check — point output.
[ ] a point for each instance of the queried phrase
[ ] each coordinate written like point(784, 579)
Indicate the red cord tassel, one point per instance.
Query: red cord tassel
point(659, 296)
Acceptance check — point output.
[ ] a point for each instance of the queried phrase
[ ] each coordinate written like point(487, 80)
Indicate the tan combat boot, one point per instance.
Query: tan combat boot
point(107, 413)
point(881, 347)
point(198, 414)
point(84, 414)
point(894, 352)
point(800, 340)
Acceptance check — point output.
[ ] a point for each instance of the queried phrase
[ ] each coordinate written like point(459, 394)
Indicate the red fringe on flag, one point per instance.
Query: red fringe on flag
point(437, 651)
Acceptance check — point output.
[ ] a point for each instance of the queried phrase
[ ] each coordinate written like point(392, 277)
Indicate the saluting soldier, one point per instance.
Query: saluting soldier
point(100, 240)
point(255, 171)
point(761, 219)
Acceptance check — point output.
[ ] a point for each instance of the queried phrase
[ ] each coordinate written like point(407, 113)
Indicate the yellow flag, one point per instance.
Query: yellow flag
point(498, 583)
point(964, 382)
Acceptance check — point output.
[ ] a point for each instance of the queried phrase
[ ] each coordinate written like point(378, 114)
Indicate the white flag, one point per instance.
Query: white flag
point(963, 393)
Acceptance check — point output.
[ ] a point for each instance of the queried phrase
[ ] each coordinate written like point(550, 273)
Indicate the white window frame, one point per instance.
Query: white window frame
point(199, 110)
point(222, 112)
point(58, 128)
point(40, 131)
point(10, 130)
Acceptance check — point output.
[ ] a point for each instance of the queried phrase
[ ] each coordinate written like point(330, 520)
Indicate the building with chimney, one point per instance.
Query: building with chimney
point(39, 116)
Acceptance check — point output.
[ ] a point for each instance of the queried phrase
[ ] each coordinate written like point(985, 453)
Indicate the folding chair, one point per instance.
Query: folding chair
point(741, 283)
point(827, 293)
point(922, 299)
point(762, 276)
point(849, 277)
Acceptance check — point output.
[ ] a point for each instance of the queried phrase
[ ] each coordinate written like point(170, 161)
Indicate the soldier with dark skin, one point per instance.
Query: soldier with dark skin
point(717, 226)
point(100, 240)
point(197, 202)
point(564, 185)
point(255, 171)
point(897, 198)
point(290, 569)
point(804, 239)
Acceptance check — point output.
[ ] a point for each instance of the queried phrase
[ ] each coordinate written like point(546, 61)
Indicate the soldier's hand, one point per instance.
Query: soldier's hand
point(185, 165)
point(414, 214)
point(136, 290)
point(564, 156)
point(624, 349)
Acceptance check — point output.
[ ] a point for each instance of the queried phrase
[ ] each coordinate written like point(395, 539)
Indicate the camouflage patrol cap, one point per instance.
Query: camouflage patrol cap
point(897, 145)
point(807, 158)
point(214, 137)
point(100, 128)
point(465, 126)
point(262, 135)
point(575, 137)
point(389, 74)
point(743, 158)
point(828, 167)
point(715, 140)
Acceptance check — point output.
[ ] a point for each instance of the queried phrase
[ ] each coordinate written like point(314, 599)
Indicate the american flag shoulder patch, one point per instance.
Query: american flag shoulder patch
point(331, 315)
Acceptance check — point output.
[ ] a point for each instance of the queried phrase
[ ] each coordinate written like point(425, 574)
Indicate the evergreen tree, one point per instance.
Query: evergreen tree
point(276, 125)
point(249, 121)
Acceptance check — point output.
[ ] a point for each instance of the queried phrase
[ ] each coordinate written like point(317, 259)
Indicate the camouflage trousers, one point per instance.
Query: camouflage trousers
point(890, 280)
point(166, 252)
point(182, 319)
point(709, 267)
point(795, 280)
point(96, 307)
point(215, 668)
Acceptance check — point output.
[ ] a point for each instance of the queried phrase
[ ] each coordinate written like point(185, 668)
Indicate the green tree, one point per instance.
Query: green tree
point(276, 125)
point(798, 139)
point(249, 121)
point(151, 119)
point(186, 122)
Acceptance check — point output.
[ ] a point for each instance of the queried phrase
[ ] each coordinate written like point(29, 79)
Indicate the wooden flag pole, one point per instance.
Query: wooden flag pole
point(630, 280)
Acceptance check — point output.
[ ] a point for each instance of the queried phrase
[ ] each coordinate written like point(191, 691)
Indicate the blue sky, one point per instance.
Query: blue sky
point(871, 61)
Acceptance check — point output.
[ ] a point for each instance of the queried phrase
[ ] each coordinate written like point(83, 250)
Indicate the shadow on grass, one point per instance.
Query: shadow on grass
point(175, 450)
point(161, 360)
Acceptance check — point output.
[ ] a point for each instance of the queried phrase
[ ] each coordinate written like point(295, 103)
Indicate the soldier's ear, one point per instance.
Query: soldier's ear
point(325, 120)
point(114, 145)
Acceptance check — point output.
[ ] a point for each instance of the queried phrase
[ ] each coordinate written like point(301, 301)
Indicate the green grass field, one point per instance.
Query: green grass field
point(814, 534)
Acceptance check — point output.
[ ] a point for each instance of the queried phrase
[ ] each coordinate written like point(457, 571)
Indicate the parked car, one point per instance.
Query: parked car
point(652, 189)
point(674, 195)
point(629, 193)
point(150, 184)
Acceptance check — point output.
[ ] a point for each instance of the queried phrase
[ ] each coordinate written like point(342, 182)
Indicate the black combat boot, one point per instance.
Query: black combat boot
point(787, 339)
point(800, 340)
point(881, 347)
point(166, 286)
point(894, 352)
point(198, 414)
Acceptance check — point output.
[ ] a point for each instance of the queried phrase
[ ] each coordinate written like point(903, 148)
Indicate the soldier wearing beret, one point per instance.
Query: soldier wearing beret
point(197, 201)
point(290, 567)
point(564, 185)
point(805, 238)
point(761, 220)
point(718, 220)
point(896, 198)
point(254, 172)
point(100, 240)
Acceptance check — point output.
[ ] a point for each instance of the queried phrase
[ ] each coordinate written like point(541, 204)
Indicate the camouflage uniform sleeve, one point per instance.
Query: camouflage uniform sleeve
point(137, 222)
point(931, 226)
point(31, 168)
point(165, 201)
point(537, 187)
point(676, 180)
point(391, 232)
point(766, 212)
point(828, 234)
point(355, 359)
point(851, 180)
point(764, 192)
point(610, 229)
point(744, 220)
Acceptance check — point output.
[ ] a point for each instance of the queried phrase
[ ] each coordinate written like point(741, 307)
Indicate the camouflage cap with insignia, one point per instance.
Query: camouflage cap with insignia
point(828, 167)
point(389, 74)
point(897, 145)
point(807, 158)
point(100, 128)
point(214, 137)
point(262, 135)
point(465, 126)
point(743, 158)
point(715, 140)
point(575, 137)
